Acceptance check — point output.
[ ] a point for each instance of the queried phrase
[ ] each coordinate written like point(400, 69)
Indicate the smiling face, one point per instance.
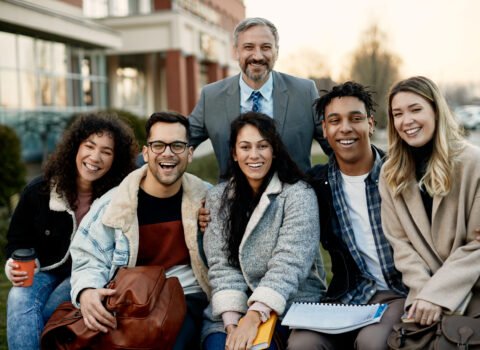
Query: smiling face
point(254, 155)
point(165, 170)
point(94, 158)
point(413, 118)
point(347, 129)
point(256, 53)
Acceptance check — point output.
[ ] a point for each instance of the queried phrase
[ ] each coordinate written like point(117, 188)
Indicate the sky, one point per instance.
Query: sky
point(436, 38)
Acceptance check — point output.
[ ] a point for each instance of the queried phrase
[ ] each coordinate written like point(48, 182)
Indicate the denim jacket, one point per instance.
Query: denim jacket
point(108, 235)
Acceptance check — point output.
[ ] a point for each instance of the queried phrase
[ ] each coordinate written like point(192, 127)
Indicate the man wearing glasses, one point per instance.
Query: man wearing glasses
point(155, 209)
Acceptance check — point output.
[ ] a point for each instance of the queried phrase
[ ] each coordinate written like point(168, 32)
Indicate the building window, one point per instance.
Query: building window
point(8, 89)
point(203, 74)
point(7, 58)
point(28, 85)
point(42, 83)
point(116, 8)
point(130, 83)
point(38, 74)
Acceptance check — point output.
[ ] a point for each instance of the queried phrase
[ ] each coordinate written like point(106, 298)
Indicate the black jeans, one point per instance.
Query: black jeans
point(189, 336)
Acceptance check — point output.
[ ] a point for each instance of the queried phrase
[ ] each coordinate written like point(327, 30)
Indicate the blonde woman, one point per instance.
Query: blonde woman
point(430, 189)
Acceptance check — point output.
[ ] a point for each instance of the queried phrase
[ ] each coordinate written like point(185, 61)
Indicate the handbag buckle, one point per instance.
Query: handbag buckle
point(465, 334)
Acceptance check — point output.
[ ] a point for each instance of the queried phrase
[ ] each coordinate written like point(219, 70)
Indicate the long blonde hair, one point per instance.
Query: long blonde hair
point(399, 169)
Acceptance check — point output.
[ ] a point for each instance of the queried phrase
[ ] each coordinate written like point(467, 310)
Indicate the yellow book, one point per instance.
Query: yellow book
point(265, 333)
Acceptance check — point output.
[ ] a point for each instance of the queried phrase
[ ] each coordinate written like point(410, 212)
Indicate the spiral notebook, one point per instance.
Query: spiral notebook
point(332, 318)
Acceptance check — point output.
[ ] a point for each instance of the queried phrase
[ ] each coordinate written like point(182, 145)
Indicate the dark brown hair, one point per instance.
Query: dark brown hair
point(61, 170)
point(239, 200)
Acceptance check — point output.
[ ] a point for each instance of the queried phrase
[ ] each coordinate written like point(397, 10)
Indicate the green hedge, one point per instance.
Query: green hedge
point(12, 169)
point(206, 168)
point(136, 123)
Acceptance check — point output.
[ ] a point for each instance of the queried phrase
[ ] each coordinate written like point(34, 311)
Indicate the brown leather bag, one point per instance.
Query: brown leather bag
point(451, 333)
point(149, 309)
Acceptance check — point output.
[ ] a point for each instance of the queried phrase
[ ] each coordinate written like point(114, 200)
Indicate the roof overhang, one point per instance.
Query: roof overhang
point(40, 20)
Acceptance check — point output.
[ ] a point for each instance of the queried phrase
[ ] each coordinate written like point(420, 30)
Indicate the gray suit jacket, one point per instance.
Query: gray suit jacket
point(297, 122)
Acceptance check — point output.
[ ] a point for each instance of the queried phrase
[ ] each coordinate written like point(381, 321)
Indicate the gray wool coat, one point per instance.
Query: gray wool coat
point(279, 252)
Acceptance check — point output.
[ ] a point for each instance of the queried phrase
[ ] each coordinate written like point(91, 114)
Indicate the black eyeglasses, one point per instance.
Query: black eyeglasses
point(158, 147)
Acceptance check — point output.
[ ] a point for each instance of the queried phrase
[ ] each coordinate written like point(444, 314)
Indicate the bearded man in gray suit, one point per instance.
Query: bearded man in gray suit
point(285, 98)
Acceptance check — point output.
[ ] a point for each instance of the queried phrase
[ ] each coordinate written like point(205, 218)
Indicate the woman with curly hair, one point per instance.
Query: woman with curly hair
point(430, 189)
point(262, 241)
point(95, 154)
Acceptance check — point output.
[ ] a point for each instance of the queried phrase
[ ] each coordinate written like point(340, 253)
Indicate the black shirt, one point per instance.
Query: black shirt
point(421, 157)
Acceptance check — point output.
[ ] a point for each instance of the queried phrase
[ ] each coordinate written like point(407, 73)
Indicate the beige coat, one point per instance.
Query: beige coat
point(440, 262)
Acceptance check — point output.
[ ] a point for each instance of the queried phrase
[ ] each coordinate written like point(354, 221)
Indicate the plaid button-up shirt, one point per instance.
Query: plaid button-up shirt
point(342, 227)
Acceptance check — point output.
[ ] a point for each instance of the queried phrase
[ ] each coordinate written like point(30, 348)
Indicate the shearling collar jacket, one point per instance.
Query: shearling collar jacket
point(109, 234)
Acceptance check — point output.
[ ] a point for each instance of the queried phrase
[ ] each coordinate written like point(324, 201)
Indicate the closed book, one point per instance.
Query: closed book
point(265, 333)
point(332, 318)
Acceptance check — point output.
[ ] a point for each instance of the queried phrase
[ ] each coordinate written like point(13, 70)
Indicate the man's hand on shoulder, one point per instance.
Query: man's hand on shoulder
point(95, 316)
point(204, 217)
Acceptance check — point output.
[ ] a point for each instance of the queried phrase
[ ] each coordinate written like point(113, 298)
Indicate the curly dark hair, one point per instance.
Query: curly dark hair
point(349, 88)
point(61, 170)
point(239, 199)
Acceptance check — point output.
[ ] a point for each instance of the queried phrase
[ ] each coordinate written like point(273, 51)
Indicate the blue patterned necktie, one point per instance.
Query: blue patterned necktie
point(256, 101)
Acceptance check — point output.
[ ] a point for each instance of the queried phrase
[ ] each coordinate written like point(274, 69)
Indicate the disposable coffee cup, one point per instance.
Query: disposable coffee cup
point(25, 259)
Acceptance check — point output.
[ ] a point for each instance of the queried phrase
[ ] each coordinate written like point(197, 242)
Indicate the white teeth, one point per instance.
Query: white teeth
point(91, 167)
point(346, 142)
point(411, 131)
point(167, 165)
point(255, 165)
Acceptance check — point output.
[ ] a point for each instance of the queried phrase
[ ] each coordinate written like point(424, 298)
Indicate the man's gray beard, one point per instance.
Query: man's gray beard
point(257, 77)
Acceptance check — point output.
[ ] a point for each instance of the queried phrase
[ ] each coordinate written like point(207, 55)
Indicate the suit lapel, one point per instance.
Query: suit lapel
point(232, 99)
point(280, 101)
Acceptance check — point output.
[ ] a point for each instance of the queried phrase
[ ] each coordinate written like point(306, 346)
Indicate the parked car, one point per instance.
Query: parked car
point(469, 116)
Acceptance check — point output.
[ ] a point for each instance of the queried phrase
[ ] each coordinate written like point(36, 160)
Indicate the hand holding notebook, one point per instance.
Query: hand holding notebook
point(265, 333)
point(332, 318)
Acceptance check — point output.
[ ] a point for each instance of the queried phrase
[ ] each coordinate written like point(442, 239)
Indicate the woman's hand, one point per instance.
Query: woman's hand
point(424, 312)
point(16, 276)
point(230, 328)
point(242, 336)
